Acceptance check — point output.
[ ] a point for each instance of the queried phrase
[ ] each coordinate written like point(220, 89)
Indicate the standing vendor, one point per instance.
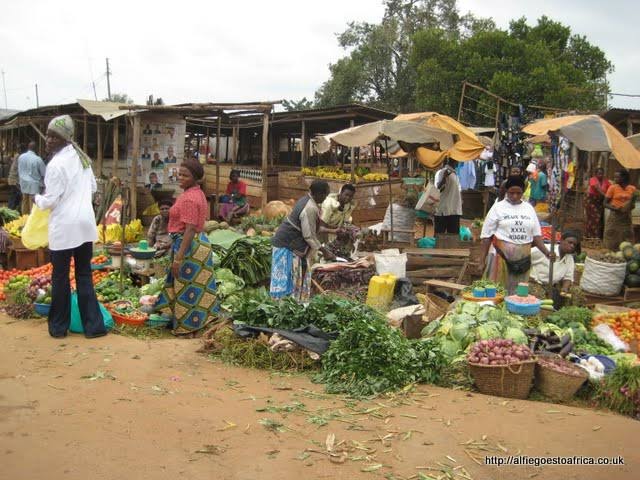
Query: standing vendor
point(295, 243)
point(449, 210)
point(338, 207)
point(158, 234)
point(619, 199)
point(234, 204)
point(189, 292)
point(563, 267)
point(511, 227)
point(594, 204)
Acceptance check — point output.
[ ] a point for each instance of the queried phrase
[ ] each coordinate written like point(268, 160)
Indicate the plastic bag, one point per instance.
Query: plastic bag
point(76, 323)
point(394, 263)
point(429, 200)
point(35, 233)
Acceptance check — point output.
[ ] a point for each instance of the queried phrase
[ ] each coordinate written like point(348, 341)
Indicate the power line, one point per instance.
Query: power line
point(624, 95)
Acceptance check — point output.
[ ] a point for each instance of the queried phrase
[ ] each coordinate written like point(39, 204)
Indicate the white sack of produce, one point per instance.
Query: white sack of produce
point(396, 316)
point(603, 278)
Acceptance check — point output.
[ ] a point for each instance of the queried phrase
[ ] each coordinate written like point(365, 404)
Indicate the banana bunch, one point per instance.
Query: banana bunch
point(375, 177)
point(133, 231)
point(14, 228)
point(110, 234)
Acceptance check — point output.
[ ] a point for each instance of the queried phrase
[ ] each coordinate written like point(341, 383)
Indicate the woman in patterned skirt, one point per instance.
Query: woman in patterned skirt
point(190, 290)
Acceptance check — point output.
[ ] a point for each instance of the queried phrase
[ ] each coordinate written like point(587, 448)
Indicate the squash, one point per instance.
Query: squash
point(632, 280)
point(275, 209)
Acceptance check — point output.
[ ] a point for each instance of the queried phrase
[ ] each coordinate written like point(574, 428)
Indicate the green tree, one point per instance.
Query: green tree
point(120, 98)
point(302, 104)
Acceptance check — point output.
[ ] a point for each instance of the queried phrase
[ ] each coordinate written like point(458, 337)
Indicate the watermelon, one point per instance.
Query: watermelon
point(628, 252)
point(632, 280)
point(637, 247)
point(634, 266)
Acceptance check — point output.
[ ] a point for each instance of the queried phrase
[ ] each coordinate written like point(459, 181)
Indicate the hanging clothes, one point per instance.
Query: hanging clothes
point(467, 175)
point(490, 174)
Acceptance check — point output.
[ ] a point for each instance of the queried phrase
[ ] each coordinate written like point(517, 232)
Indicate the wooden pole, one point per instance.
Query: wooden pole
point(353, 158)
point(207, 150)
point(218, 162)
point(386, 151)
point(226, 148)
point(265, 151)
point(85, 133)
point(116, 128)
point(99, 156)
point(134, 166)
point(464, 87)
point(304, 141)
point(236, 140)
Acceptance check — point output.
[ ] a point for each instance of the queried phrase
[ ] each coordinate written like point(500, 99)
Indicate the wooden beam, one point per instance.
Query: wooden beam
point(464, 87)
point(85, 133)
point(265, 151)
point(100, 153)
point(134, 166)
point(629, 127)
point(116, 138)
point(234, 157)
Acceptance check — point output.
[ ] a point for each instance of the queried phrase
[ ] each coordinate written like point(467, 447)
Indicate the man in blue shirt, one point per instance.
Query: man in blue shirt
point(31, 170)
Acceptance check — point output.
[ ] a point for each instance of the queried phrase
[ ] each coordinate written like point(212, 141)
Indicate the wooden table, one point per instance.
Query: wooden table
point(432, 263)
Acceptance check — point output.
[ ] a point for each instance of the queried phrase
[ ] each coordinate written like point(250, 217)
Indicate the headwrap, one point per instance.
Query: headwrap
point(63, 127)
point(195, 168)
point(514, 181)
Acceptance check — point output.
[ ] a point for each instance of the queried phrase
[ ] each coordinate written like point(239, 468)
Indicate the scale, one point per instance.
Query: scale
point(140, 266)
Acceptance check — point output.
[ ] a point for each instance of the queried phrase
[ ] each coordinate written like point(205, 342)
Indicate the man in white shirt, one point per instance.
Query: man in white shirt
point(69, 188)
point(31, 170)
point(449, 210)
point(563, 267)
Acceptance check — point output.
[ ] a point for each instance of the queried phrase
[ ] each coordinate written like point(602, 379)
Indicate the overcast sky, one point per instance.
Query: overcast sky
point(199, 51)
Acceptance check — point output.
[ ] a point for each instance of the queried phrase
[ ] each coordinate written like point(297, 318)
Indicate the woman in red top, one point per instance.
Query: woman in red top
point(594, 204)
point(189, 293)
point(234, 204)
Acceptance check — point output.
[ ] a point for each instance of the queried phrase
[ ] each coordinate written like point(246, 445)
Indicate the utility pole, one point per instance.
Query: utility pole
point(95, 95)
point(108, 81)
point(37, 98)
point(4, 89)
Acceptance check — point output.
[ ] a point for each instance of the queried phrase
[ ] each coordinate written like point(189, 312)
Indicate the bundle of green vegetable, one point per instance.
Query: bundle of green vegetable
point(249, 258)
point(620, 390)
point(470, 323)
point(8, 215)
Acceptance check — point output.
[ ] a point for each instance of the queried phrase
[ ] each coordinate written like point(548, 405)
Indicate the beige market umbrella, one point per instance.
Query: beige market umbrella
point(635, 140)
point(590, 133)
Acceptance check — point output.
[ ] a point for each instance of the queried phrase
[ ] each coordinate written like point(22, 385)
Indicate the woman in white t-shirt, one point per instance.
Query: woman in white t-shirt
point(511, 227)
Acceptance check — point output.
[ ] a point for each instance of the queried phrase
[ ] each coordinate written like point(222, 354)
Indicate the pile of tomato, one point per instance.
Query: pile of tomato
point(626, 325)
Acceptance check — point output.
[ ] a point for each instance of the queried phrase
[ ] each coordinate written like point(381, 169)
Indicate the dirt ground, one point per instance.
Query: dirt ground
point(118, 407)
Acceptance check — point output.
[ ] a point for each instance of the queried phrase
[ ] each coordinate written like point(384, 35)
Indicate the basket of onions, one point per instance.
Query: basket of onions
point(558, 378)
point(502, 367)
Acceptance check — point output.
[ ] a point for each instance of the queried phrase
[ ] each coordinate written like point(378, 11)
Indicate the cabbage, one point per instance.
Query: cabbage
point(472, 308)
point(516, 335)
point(227, 283)
point(430, 328)
point(487, 332)
point(449, 348)
point(459, 331)
point(445, 326)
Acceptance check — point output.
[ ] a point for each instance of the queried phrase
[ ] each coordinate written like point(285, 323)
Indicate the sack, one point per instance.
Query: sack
point(35, 233)
point(602, 278)
point(76, 323)
point(394, 263)
point(430, 198)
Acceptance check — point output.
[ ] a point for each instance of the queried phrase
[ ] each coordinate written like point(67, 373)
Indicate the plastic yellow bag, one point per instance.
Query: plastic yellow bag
point(35, 233)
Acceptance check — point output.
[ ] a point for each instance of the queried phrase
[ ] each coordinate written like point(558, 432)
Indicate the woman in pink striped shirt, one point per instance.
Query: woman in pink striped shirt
point(189, 293)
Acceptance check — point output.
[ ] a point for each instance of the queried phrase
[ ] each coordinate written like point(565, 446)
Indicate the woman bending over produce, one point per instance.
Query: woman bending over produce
point(190, 290)
point(619, 199)
point(563, 267)
point(295, 242)
point(511, 226)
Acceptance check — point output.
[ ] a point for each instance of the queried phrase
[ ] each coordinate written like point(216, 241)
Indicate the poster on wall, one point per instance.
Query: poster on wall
point(161, 151)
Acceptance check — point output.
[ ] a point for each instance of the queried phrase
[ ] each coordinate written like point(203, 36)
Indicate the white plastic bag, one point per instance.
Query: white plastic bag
point(394, 263)
point(430, 198)
point(602, 278)
point(605, 333)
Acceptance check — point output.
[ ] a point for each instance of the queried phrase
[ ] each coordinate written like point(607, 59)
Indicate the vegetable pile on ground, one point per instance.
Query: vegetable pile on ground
point(626, 325)
point(368, 357)
point(17, 292)
point(576, 322)
point(608, 257)
point(471, 322)
point(108, 289)
point(498, 351)
point(342, 278)
point(620, 390)
point(249, 259)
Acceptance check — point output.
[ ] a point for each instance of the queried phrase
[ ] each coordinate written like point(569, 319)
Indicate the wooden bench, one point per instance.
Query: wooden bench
point(431, 263)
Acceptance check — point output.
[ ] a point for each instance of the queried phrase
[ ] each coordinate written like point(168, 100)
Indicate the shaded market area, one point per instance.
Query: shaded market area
point(443, 284)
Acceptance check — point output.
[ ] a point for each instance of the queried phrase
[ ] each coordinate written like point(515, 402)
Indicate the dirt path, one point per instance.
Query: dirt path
point(117, 407)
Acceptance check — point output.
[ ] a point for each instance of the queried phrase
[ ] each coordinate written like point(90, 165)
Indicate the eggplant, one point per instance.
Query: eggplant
point(565, 339)
point(531, 331)
point(566, 349)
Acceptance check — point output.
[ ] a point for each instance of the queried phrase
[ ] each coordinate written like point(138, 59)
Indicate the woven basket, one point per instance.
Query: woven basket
point(435, 306)
point(511, 381)
point(17, 242)
point(556, 385)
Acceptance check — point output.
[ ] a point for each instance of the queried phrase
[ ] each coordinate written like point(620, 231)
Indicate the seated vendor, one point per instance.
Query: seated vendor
point(563, 267)
point(338, 207)
point(234, 203)
point(158, 235)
